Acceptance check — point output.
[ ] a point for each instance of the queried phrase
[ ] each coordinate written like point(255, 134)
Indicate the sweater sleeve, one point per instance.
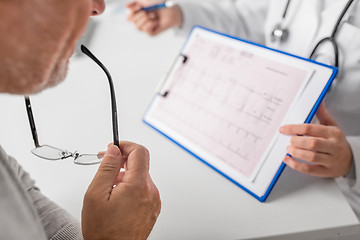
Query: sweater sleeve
point(241, 18)
point(57, 223)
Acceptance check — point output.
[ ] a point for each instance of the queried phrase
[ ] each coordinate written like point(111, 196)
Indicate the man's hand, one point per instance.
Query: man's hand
point(323, 148)
point(153, 22)
point(121, 204)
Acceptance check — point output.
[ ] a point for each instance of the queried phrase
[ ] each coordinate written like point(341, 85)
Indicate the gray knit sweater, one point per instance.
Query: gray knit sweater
point(25, 213)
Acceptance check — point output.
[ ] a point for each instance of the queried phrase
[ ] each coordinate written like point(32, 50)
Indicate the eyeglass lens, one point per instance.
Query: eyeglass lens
point(52, 153)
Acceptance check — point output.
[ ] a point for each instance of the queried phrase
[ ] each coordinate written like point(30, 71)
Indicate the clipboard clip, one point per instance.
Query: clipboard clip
point(185, 58)
point(163, 87)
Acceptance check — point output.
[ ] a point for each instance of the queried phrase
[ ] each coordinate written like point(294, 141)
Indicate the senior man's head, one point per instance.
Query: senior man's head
point(37, 39)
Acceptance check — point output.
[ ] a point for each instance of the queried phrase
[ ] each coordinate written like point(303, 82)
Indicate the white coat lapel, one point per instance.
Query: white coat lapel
point(329, 16)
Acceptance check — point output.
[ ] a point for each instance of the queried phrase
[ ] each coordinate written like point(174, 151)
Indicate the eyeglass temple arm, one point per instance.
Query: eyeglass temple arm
point(31, 121)
point(112, 93)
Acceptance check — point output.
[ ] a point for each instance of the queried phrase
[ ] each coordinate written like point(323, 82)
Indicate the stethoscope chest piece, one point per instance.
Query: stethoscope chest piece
point(279, 34)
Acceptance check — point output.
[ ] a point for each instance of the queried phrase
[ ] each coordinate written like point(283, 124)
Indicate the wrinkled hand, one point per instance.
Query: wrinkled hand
point(322, 147)
point(121, 204)
point(153, 22)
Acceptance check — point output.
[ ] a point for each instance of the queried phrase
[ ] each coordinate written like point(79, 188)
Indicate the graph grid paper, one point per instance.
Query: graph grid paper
point(230, 102)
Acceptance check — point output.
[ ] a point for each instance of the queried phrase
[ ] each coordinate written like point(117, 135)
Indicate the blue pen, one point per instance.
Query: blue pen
point(166, 4)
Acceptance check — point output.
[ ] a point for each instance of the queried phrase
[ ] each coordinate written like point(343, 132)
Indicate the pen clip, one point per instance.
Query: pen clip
point(163, 87)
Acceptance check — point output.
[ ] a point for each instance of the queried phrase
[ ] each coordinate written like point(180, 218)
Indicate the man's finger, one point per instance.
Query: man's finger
point(109, 169)
point(137, 164)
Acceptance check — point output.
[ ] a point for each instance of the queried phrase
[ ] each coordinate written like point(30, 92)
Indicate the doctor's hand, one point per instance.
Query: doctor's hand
point(121, 204)
point(153, 22)
point(322, 147)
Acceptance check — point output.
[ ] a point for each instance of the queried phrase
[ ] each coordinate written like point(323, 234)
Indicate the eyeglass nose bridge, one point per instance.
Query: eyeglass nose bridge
point(66, 154)
point(75, 155)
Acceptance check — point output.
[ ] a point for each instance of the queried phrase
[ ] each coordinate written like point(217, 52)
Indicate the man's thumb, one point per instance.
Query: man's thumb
point(324, 116)
point(110, 168)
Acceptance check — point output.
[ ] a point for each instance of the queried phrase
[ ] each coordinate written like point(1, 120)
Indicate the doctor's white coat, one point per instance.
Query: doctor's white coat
point(308, 21)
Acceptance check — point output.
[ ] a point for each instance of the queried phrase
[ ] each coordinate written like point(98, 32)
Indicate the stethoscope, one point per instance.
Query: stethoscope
point(281, 32)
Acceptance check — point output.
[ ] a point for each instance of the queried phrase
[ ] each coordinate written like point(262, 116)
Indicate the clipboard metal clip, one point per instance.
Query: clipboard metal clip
point(163, 87)
point(185, 58)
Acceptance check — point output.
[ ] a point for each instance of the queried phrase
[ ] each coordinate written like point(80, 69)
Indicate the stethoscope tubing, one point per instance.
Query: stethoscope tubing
point(331, 39)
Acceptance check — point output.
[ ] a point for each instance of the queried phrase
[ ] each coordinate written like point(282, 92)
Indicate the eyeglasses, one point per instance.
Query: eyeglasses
point(52, 153)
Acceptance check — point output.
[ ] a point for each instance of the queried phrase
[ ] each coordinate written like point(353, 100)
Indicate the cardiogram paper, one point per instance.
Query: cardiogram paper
point(227, 99)
point(230, 102)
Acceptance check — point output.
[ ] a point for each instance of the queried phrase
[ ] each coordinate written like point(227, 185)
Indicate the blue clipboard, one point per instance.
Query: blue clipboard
point(314, 80)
